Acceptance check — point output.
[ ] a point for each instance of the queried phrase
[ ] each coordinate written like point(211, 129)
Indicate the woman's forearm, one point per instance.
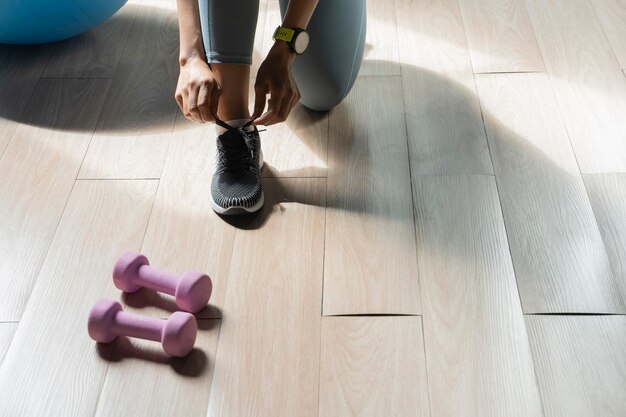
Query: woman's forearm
point(189, 28)
point(299, 13)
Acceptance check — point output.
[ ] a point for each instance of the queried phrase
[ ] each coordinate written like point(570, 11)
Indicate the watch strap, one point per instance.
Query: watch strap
point(284, 34)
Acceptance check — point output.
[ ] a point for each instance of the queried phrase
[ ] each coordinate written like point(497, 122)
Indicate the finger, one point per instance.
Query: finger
point(185, 100)
point(260, 96)
point(192, 106)
point(285, 108)
point(216, 92)
point(179, 99)
point(270, 117)
point(204, 101)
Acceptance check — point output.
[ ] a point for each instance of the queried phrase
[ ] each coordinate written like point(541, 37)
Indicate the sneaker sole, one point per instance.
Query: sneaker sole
point(239, 210)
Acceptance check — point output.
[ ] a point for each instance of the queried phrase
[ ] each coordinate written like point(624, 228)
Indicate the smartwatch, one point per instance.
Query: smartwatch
point(297, 38)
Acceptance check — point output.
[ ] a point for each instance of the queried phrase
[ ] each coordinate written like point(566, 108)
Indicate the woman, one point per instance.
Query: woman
point(315, 59)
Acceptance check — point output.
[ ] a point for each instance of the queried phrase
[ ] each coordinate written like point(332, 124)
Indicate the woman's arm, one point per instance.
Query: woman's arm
point(274, 74)
point(197, 92)
point(299, 13)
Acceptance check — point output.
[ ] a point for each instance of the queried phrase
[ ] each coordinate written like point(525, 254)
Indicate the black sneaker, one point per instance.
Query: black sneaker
point(236, 186)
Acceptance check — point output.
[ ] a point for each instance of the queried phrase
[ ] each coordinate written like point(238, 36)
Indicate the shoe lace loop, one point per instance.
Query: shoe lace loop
point(237, 155)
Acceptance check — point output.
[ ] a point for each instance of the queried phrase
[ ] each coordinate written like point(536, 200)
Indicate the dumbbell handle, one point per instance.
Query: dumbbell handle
point(138, 326)
point(156, 279)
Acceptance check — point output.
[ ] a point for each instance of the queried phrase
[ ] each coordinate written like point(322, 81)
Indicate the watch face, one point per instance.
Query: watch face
point(301, 42)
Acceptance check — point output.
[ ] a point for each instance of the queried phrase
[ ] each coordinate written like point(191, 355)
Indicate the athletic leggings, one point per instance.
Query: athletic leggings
point(324, 73)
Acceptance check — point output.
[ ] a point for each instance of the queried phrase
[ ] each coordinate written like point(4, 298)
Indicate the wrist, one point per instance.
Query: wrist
point(282, 50)
point(184, 59)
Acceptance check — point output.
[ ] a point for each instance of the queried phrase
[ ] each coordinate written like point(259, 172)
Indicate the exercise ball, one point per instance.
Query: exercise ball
point(42, 21)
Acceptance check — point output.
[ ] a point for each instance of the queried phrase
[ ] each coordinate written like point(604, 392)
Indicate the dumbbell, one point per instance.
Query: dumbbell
point(177, 334)
point(132, 271)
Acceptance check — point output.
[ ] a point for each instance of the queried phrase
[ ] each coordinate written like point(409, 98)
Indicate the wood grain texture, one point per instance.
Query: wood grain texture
point(134, 130)
point(369, 264)
point(52, 367)
point(38, 170)
point(560, 261)
point(373, 366)
point(184, 233)
point(6, 335)
point(607, 193)
point(587, 80)
point(612, 15)
point(500, 36)
point(381, 40)
point(143, 381)
point(20, 70)
point(444, 124)
point(96, 53)
point(580, 362)
point(267, 360)
point(477, 355)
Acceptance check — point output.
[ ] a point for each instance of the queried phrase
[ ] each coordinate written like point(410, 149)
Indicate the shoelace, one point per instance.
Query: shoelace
point(234, 156)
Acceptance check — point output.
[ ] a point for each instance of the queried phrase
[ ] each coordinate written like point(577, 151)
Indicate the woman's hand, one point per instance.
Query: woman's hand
point(197, 92)
point(274, 77)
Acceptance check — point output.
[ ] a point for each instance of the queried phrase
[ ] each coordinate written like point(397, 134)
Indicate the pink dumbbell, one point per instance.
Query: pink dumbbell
point(132, 271)
point(177, 334)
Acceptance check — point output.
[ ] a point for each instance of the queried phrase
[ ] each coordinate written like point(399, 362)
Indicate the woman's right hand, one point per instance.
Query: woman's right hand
point(197, 92)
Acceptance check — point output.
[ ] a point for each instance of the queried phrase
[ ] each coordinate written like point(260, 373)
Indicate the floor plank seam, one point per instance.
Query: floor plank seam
point(575, 314)
point(413, 197)
point(511, 72)
point(106, 98)
point(606, 38)
point(506, 232)
point(372, 315)
point(119, 179)
point(30, 97)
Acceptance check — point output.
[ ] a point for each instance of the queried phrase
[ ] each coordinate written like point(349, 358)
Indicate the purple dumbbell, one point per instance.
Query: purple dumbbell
point(177, 334)
point(132, 271)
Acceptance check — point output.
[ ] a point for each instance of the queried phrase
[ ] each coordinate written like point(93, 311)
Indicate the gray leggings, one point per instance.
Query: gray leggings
point(328, 68)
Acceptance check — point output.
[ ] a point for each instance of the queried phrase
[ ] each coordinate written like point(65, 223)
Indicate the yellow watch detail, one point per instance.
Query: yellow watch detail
point(283, 34)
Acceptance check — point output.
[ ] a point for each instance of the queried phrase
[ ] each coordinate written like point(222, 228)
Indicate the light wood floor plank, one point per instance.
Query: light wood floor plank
point(612, 15)
point(381, 40)
point(133, 133)
point(607, 193)
point(38, 170)
point(477, 355)
point(444, 124)
point(6, 335)
point(96, 53)
point(20, 70)
point(370, 264)
point(267, 360)
point(500, 36)
point(52, 367)
point(560, 261)
point(587, 81)
point(581, 365)
point(143, 381)
point(184, 233)
point(373, 366)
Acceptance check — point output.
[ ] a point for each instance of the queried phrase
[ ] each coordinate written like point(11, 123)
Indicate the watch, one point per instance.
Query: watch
point(297, 38)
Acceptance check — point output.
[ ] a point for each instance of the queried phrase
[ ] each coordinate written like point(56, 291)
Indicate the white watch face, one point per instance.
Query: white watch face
point(302, 41)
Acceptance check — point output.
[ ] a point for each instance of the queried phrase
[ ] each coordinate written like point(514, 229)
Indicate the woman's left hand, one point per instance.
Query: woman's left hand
point(274, 77)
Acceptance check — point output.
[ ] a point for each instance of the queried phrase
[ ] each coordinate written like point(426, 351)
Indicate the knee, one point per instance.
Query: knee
point(322, 103)
point(326, 95)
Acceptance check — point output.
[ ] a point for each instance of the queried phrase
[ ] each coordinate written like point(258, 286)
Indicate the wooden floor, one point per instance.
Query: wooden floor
point(449, 241)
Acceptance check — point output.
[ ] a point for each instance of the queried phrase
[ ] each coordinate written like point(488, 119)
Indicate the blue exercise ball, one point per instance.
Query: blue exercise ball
point(41, 21)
